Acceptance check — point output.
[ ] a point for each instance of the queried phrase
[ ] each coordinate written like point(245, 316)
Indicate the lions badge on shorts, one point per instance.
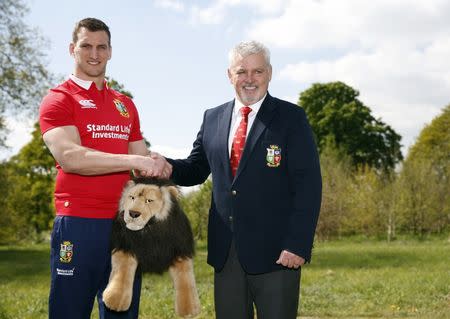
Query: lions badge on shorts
point(273, 157)
point(121, 108)
point(66, 252)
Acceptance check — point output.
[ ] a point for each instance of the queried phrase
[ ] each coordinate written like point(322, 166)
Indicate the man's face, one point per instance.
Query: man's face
point(91, 53)
point(250, 77)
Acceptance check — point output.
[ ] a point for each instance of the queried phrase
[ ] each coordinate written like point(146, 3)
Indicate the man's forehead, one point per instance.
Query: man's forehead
point(86, 35)
point(255, 60)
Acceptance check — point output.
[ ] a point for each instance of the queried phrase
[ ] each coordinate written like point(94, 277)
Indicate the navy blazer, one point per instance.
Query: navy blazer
point(273, 202)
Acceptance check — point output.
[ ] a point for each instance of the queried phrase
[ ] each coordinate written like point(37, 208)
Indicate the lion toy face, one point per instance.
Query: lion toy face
point(144, 203)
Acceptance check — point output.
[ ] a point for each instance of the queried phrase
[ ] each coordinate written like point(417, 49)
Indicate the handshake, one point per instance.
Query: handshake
point(153, 165)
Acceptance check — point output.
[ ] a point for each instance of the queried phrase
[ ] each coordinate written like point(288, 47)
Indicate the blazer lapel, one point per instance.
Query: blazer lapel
point(262, 120)
point(223, 129)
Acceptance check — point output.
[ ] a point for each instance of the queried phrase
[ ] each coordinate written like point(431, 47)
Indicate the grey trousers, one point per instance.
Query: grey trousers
point(275, 295)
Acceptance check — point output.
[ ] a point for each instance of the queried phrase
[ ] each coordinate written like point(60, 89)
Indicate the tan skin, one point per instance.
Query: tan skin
point(91, 54)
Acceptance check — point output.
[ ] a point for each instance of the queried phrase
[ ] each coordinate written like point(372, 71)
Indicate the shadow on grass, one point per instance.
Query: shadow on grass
point(18, 264)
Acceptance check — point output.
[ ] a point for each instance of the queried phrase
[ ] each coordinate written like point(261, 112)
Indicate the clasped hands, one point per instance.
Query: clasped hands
point(155, 166)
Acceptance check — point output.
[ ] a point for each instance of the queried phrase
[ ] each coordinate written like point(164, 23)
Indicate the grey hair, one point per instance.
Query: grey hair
point(246, 48)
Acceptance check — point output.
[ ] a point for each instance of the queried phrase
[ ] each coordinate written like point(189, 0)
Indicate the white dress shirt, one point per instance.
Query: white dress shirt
point(236, 119)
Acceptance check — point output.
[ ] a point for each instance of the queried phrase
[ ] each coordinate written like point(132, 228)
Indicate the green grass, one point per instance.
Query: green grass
point(347, 279)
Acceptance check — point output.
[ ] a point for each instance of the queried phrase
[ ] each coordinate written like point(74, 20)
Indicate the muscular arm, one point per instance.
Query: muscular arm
point(65, 146)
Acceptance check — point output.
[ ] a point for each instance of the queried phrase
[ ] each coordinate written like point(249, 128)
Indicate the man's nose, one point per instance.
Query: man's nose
point(249, 77)
point(94, 53)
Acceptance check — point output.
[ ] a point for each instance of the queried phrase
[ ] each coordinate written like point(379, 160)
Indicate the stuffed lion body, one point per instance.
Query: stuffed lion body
point(151, 234)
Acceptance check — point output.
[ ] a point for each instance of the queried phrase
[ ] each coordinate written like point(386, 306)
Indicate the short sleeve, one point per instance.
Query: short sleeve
point(135, 134)
point(55, 110)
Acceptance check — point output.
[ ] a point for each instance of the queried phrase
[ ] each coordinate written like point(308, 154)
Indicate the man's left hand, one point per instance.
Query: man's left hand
point(290, 260)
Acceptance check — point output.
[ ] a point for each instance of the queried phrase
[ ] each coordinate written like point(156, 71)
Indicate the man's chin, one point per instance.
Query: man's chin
point(249, 99)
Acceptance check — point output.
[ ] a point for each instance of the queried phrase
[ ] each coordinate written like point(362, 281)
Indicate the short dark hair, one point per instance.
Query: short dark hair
point(92, 24)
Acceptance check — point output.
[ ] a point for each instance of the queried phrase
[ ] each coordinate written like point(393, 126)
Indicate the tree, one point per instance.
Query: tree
point(433, 145)
point(31, 184)
point(336, 180)
point(424, 182)
point(196, 205)
point(338, 118)
point(23, 75)
point(113, 84)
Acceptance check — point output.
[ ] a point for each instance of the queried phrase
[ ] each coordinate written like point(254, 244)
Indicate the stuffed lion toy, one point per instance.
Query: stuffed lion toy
point(151, 233)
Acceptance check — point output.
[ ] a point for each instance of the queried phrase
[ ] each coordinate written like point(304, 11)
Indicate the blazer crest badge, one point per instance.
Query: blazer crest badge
point(273, 157)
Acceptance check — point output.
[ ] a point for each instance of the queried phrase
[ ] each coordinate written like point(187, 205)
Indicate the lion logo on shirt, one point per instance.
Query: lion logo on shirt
point(121, 108)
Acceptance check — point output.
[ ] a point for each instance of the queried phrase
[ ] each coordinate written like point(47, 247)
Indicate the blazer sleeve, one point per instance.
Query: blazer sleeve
point(306, 185)
point(195, 168)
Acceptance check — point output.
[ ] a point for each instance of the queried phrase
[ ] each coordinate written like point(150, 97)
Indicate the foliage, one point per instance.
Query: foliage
point(346, 279)
point(196, 205)
point(339, 118)
point(113, 84)
point(424, 183)
point(433, 145)
point(354, 201)
point(336, 168)
point(23, 76)
point(29, 176)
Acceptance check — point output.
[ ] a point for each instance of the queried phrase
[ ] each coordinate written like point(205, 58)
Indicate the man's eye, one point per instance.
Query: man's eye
point(131, 197)
point(148, 201)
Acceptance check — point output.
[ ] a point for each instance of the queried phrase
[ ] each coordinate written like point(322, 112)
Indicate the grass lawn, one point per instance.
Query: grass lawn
point(347, 279)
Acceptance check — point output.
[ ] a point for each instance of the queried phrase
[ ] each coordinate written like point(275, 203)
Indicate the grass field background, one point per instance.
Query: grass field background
point(346, 279)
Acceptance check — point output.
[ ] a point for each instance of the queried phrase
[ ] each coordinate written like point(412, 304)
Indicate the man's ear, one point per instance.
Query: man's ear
point(269, 69)
point(129, 183)
point(71, 48)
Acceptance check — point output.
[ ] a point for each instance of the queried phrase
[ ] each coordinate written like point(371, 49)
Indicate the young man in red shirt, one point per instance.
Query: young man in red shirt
point(94, 135)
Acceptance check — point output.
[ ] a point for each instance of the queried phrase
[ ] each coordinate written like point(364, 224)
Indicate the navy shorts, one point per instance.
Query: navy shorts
point(80, 263)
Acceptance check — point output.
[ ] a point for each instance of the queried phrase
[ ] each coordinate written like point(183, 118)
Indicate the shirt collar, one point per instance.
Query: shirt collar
point(255, 107)
point(83, 83)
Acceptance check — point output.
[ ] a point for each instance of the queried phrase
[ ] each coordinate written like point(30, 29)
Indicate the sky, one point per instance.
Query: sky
point(172, 56)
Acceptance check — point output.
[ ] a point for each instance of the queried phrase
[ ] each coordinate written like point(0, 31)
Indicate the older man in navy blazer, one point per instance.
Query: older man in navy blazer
point(266, 201)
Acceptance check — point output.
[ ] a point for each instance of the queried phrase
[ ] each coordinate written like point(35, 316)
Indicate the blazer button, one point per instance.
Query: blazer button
point(233, 192)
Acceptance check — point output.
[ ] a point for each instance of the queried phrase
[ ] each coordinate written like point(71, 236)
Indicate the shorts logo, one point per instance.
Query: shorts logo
point(65, 272)
point(66, 252)
point(87, 104)
point(273, 157)
point(121, 108)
